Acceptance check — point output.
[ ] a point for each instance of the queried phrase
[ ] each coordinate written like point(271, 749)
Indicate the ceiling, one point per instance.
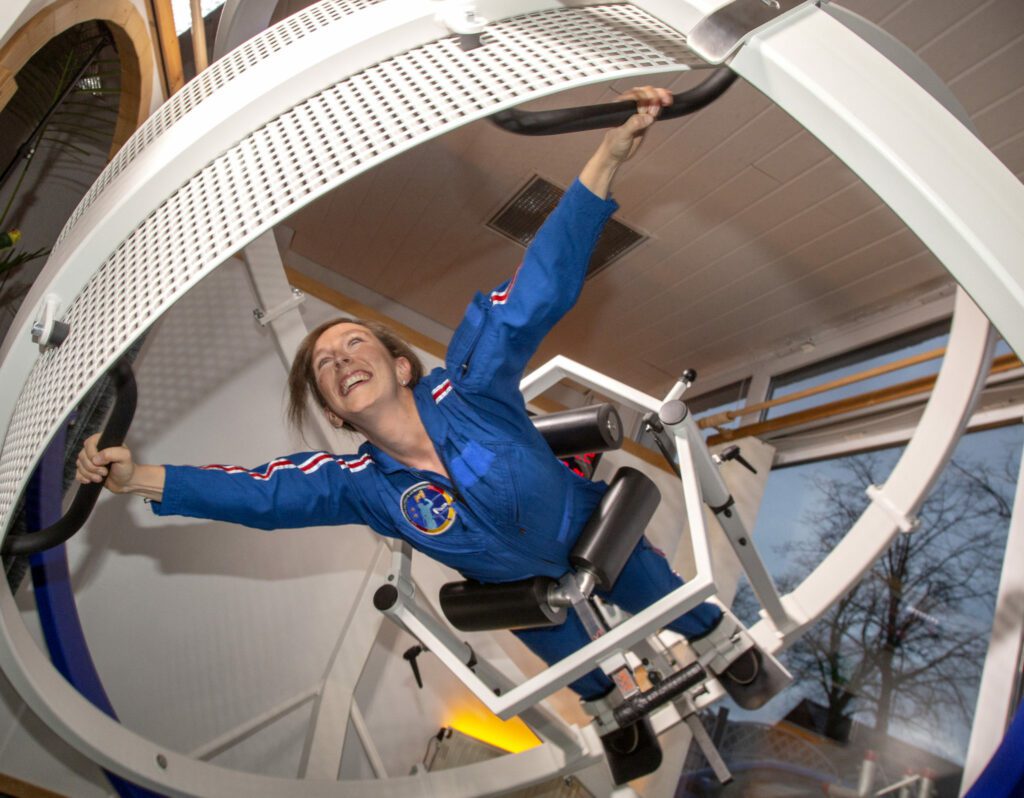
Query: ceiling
point(759, 238)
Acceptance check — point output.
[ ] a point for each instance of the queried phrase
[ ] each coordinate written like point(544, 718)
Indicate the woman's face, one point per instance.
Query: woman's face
point(354, 370)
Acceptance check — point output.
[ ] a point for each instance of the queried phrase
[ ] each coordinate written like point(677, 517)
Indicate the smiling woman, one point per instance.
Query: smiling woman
point(452, 463)
point(303, 379)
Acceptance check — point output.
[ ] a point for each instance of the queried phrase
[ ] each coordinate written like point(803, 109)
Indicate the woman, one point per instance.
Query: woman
point(452, 462)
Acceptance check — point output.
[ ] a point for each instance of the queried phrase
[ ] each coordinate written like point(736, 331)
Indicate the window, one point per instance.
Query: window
point(894, 668)
point(918, 343)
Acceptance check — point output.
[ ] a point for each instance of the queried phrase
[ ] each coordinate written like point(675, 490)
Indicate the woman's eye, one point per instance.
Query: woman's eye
point(322, 362)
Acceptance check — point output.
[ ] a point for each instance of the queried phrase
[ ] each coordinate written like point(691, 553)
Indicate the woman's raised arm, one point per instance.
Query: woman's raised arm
point(621, 142)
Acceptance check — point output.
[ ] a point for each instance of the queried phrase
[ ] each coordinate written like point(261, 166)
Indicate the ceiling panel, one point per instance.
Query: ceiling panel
point(759, 237)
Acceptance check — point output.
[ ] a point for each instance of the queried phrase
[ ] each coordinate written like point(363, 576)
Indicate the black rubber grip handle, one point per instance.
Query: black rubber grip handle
point(596, 117)
point(85, 499)
point(636, 707)
point(475, 607)
point(616, 526)
point(594, 428)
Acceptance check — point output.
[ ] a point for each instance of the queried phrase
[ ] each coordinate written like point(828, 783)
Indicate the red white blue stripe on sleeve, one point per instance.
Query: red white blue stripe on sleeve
point(310, 465)
point(500, 296)
point(441, 391)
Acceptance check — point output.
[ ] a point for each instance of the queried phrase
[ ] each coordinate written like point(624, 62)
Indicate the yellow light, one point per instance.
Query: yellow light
point(474, 719)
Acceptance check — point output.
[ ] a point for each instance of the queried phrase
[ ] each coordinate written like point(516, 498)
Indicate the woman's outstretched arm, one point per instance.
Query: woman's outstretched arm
point(122, 473)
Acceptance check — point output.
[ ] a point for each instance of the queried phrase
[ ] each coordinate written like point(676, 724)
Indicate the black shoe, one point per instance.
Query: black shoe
point(632, 751)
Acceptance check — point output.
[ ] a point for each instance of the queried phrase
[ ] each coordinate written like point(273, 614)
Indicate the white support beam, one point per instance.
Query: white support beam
point(1001, 675)
point(270, 285)
point(325, 743)
point(956, 392)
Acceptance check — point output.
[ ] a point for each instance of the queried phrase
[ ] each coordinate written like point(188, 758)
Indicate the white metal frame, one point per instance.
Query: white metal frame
point(1000, 678)
point(519, 698)
point(951, 191)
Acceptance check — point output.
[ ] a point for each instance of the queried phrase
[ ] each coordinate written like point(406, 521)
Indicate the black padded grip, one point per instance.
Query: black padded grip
point(85, 498)
point(477, 607)
point(616, 526)
point(632, 709)
point(596, 428)
point(597, 117)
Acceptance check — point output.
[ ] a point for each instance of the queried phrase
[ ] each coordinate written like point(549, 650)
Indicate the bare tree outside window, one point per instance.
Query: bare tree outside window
point(908, 642)
point(906, 646)
point(893, 668)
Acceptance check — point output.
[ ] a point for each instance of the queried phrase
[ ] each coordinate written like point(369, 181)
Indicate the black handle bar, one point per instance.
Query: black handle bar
point(85, 499)
point(595, 117)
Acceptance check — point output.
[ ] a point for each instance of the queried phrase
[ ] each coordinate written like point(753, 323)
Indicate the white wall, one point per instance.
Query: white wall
point(196, 627)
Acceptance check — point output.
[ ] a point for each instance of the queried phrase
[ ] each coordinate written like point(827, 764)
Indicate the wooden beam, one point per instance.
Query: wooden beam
point(132, 36)
point(16, 788)
point(170, 50)
point(852, 404)
point(8, 86)
point(199, 57)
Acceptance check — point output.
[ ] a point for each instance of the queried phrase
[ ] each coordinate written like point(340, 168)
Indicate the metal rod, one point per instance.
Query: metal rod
point(250, 727)
point(731, 415)
point(853, 403)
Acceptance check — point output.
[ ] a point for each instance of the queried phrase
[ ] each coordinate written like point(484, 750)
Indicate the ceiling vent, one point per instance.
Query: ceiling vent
point(523, 215)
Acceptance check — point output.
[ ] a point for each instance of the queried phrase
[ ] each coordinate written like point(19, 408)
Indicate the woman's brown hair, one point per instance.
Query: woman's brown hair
point(302, 379)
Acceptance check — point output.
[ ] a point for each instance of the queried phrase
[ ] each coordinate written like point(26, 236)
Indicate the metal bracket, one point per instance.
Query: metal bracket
point(265, 317)
point(720, 34)
point(707, 746)
point(462, 19)
point(904, 522)
point(47, 331)
point(719, 649)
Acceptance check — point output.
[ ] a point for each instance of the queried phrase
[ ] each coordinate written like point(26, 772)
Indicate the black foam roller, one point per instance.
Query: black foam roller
point(596, 428)
point(476, 607)
point(616, 526)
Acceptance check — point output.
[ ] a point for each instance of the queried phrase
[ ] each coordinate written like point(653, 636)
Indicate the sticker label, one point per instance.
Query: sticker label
point(428, 508)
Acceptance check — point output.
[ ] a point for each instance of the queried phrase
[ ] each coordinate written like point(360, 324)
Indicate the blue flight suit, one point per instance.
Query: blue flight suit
point(510, 509)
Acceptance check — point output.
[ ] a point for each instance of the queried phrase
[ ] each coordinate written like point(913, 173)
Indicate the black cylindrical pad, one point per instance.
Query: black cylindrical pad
point(616, 526)
point(476, 607)
point(596, 428)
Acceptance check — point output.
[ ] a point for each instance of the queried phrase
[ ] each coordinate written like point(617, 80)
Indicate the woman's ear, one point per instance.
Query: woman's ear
point(333, 418)
point(403, 370)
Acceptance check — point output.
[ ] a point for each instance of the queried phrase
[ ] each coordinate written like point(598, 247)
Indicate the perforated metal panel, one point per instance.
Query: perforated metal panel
point(316, 145)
